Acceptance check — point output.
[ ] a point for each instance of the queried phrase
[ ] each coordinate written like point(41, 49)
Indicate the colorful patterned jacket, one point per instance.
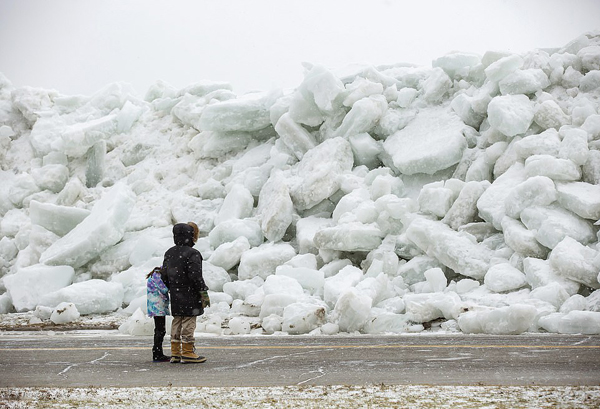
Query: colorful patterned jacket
point(158, 295)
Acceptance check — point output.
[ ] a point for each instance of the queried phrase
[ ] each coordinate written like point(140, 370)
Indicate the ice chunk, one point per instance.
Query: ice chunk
point(353, 309)
point(576, 302)
point(385, 322)
point(272, 323)
point(295, 137)
point(29, 284)
point(79, 137)
point(535, 191)
point(64, 312)
point(58, 219)
point(522, 240)
point(306, 229)
point(553, 223)
point(90, 297)
point(504, 277)
point(554, 168)
point(511, 114)
point(577, 262)
point(322, 88)
point(246, 113)
point(346, 278)
point(436, 85)
point(436, 142)
point(310, 279)
point(406, 96)
point(452, 249)
point(95, 164)
point(228, 255)
point(540, 273)
point(363, 116)
point(262, 261)
point(214, 276)
point(575, 322)
point(138, 324)
point(103, 228)
point(465, 285)
point(185, 208)
point(240, 290)
point(502, 67)
point(22, 186)
point(230, 230)
point(51, 177)
point(581, 198)
point(239, 325)
point(464, 208)
point(319, 172)
point(457, 64)
point(591, 168)
point(574, 145)
point(238, 204)
point(275, 208)
point(545, 143)
point(590, 57)
point(512, 320)
point(552, 293)
point(491, 203)
point(12, 222)
point(301, 318)
point(435, 200)
point(361, 88)
point(550, 115)
point(366, 150)
point(437, 279)
point(524, 82)
point(354, 236)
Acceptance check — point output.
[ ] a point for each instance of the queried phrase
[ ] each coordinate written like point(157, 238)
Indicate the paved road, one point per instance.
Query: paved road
point(103, 359)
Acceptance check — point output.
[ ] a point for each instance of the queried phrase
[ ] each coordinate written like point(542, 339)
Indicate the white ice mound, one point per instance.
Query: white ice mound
point(64, 312)
point(575, 322)
point(30, 283)
point(90, 297)
point(433, 141)
point(512, 320)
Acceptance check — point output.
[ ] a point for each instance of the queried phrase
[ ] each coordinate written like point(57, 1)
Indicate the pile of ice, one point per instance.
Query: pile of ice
point(463, 196)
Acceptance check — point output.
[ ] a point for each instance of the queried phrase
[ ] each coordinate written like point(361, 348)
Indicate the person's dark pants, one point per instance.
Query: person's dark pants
point(159, 335)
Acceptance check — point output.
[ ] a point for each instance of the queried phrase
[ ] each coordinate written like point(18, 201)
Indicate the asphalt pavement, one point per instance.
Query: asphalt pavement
point(107, 359)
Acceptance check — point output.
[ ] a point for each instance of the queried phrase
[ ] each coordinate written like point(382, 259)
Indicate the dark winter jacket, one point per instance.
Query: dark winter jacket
point(182, 273)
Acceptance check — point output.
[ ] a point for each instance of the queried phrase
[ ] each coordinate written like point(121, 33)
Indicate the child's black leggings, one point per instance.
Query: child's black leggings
point(159, 331)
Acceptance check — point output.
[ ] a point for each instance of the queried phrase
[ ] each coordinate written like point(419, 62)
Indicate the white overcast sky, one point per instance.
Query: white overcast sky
point(77, 47)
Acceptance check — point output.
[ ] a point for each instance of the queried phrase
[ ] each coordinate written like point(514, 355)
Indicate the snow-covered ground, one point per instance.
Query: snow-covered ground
point(370, 200)
point(377, 396)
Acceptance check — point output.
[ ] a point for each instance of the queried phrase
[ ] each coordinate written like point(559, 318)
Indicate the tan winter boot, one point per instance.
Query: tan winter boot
point(175, 352)
point(188, 355)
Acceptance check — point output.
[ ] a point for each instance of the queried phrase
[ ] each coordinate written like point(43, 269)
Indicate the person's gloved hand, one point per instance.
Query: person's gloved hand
point(205, 299)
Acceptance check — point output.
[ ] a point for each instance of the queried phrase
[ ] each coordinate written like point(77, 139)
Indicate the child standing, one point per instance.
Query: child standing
point(158, 307)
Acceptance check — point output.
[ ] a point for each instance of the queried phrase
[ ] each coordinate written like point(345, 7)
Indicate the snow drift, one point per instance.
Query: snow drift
point(387, 199)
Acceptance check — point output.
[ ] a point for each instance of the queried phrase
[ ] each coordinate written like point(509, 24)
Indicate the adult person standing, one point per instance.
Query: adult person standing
point(182, 274)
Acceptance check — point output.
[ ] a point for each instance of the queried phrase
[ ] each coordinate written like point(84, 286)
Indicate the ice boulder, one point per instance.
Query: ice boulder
point(457, 64)
point(574, 145)
point(349, 237)
point(500, 68)
point(352, 309)
point(318, 172)
point(138, 324)
point(452, 249)
point(575, 322)
point(64, 312)
point(58, 219)
point(29, 284)
point(577, 262)
point(550, 115)
point(521, 239)
point(262, 261)
point(504, 277)
point(103, 228)
point(247, 113)
point(275, 208)
point(554, 168)
point(228, 255)
point(230, 230)
point(214, 276)
point(52, 177)
point(524, 82)
point(301, 318)
point(310, 279)
point(335, 285)
point(535, 191)
point(295, 136)
point(581, 198)
point(552, 293)
point(433, 141)
point(553, 223)
point(363, 116)
point(464, 208)
point(238, 204)
point(90, 297)
point(511, 320)
point(545, 143)
point(540, 273)
point(511, 114)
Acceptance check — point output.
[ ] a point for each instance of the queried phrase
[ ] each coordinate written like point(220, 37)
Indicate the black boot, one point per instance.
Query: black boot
point(158, 355)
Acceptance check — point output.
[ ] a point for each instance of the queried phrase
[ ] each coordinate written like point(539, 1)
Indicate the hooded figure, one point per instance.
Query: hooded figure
point(182, 274)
